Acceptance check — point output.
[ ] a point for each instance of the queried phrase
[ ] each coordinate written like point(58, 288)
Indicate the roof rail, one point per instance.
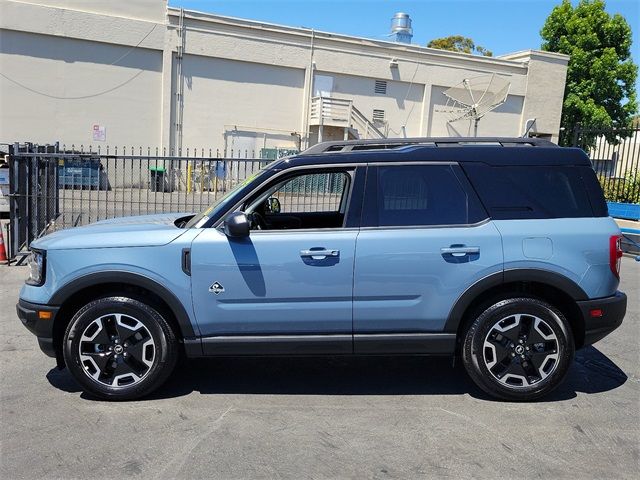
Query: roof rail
point(392, 143)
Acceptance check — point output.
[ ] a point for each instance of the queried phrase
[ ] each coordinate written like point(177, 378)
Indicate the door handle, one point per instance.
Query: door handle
point(459, 251)
point(318, 254)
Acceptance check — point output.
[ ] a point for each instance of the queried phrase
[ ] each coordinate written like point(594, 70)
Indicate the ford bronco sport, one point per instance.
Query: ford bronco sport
point(498, 250)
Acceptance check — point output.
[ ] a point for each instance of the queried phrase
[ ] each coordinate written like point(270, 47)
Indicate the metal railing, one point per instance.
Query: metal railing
point(57, 188)
point(339, 112)
point(615, 156)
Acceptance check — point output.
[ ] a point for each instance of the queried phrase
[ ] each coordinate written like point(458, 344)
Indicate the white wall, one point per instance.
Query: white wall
point(503, 121)
point(68, 69)
point(150, 10)
point(221, 94)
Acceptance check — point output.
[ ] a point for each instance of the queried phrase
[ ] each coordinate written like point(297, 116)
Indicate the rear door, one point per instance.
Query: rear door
point(425, 238)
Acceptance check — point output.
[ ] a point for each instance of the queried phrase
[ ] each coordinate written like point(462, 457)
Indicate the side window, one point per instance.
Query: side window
point(419, 195)
point(513, 192)
point(313, 192)
point(310, 200)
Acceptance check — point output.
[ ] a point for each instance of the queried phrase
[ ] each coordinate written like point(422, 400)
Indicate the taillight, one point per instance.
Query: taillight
point(615, 254)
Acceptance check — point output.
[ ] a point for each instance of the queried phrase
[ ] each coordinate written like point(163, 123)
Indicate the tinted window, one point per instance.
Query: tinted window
point(421, 195)
point(530, 191)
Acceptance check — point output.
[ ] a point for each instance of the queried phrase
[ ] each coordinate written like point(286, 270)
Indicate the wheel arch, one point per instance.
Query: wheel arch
point(552, 287)
point(80, 291)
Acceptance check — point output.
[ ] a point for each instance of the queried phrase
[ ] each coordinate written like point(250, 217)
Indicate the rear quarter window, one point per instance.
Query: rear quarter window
point(520, 192)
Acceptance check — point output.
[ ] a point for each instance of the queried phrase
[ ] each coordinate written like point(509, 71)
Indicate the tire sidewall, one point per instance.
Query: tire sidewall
point(149, 317)
point(473, 352)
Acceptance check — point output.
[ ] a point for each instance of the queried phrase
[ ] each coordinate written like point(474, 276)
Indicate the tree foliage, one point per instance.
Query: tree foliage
point(458, 43)
point(600, 92)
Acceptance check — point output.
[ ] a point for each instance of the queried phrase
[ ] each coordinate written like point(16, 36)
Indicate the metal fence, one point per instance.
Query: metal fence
point(615, 155)
point(52, 188)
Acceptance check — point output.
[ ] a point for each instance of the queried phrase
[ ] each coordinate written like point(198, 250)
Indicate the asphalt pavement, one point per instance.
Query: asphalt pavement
point(317, 418)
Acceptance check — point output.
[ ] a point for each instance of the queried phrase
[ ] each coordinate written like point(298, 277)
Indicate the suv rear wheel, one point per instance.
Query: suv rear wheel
point(518, 349)
point(119, 348)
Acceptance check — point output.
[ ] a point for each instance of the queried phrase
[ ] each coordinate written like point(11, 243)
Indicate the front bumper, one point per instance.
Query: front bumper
point(28, 313)
point(613, 310)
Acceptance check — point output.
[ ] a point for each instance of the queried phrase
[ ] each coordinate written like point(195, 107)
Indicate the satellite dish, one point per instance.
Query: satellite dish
point(474, 97)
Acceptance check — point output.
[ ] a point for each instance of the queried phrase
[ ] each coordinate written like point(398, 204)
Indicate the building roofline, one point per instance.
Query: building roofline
point(393, 47)
point(523, 54)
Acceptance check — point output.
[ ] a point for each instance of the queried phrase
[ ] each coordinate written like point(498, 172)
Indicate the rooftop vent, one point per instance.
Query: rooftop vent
point(401, 30)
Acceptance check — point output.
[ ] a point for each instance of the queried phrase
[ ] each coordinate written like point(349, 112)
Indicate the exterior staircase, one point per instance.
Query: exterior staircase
point(341, 113)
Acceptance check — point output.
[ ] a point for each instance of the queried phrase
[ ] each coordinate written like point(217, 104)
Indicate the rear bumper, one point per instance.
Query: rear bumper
point(613, 310)
point(41, 328)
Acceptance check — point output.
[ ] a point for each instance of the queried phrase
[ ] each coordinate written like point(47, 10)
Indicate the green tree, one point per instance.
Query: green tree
point(600, 92)
point(458, 43)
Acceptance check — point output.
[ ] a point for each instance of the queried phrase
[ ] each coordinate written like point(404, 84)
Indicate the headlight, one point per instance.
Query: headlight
point(36, 267)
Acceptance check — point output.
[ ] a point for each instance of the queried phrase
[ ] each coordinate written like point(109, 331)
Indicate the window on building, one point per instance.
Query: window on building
point(380, 87)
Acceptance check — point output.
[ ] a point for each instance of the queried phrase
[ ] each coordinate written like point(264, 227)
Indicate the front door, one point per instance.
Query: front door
point(291, 277)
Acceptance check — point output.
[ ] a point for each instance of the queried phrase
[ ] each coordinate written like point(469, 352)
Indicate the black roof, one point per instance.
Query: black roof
point(491, 151)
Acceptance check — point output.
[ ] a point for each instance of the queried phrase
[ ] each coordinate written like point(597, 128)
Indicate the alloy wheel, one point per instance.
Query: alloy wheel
point(116, 350)
point(521, 350)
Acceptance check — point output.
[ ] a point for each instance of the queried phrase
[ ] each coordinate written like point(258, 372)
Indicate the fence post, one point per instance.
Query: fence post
point(576, 135)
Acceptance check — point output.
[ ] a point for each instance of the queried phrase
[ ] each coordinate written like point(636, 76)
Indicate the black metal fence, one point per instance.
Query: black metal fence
point(615, 155)
point(52, 188)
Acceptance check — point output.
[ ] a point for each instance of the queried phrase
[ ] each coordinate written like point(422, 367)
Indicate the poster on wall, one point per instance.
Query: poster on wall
point(99, 133)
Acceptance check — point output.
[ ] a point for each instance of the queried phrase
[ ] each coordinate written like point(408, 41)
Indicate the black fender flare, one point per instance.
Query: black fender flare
point(127, 278)
point(547, 277)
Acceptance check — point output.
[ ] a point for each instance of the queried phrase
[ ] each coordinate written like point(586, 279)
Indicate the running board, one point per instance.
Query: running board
point(338, 344)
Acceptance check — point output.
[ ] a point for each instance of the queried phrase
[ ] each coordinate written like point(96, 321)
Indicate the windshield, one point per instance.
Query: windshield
point(211, 210)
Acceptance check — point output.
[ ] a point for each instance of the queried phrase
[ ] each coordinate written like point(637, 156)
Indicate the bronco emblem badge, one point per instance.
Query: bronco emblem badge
point(216, 288)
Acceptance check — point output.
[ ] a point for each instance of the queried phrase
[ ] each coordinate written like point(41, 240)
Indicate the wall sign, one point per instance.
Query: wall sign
point(99, 133)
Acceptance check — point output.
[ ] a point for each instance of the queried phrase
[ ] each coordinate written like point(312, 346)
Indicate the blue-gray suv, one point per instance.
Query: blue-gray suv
point(499, 250)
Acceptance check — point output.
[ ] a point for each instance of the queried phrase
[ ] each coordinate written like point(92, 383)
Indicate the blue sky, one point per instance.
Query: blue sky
point(500, 25)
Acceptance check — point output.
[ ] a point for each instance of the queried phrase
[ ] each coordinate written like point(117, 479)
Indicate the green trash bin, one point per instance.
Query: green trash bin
point(157, 182)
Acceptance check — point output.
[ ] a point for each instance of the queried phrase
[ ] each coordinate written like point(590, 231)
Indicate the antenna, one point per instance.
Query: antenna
point(474, 97)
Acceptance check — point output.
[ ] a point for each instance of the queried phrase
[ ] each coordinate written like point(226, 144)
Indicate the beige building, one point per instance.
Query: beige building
point(139, 73)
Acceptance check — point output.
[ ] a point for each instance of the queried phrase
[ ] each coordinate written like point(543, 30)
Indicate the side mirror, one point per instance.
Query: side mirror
point(273, 205)
point(236, 225)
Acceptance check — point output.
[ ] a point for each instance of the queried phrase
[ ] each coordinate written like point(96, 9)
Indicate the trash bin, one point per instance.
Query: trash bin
point(157, 183)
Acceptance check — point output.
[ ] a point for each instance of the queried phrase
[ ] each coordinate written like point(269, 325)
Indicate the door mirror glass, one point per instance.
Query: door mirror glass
point(272, 206)
point(236, 225)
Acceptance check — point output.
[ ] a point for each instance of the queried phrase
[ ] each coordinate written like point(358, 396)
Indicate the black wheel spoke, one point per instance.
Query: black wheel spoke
point(501, 345)
point(101, 359)
point(124, 333)
point(515, 368)
point(538, 358)
point(102, 338)
point(512, 334)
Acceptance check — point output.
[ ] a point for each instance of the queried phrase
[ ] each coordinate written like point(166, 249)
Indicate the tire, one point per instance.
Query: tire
point(518, 349)
point(119, 348)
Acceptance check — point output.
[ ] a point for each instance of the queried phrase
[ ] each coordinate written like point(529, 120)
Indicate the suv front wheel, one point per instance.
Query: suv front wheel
point(518, 349)
point(119, 348)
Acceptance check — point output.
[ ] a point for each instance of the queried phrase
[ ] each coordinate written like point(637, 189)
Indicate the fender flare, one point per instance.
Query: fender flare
point(127, 278)
point(547, 277)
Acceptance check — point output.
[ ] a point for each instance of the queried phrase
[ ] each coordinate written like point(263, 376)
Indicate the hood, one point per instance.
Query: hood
point(139, 231)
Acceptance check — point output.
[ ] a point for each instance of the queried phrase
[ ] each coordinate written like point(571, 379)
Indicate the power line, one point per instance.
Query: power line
point(97, 94)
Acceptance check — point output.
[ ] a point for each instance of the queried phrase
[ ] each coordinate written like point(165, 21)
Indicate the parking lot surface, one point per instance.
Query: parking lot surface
point(320, 418)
